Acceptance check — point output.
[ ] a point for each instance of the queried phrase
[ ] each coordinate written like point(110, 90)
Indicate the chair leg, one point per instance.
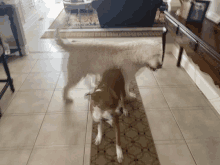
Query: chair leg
point(8, 73)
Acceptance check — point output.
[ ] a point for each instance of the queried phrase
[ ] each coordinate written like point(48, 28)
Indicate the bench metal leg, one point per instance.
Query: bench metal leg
point(164, 43)
point(8, 73)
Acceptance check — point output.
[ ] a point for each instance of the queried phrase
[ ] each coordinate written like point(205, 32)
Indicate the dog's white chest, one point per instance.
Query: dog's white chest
point(98, 115)
point(107, 115)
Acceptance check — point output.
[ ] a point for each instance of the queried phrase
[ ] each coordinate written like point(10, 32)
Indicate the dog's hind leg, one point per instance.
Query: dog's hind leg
point(66, 92)
point(71, 82)
point(129, 75)
point(129, 95)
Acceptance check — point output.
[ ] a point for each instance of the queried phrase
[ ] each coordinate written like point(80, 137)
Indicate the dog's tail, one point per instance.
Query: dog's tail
point(58, 39)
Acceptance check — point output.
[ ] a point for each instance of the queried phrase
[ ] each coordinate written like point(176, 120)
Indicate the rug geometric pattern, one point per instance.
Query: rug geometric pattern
point(136, 138)
point(88, 20)
point(76, 21)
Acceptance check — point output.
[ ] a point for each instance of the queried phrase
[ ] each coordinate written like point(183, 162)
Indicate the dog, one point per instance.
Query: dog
point(95, 57)
point(107, 102)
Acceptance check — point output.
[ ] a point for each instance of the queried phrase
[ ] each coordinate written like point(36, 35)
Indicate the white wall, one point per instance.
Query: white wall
point(202, 80)
point(214, 11)
point(215, 6)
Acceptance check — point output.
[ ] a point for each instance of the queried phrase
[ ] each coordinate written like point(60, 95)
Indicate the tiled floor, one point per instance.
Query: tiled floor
point(38, 128)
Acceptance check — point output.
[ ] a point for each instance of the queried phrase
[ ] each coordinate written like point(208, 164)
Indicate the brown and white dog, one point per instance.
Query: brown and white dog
point(107, 102)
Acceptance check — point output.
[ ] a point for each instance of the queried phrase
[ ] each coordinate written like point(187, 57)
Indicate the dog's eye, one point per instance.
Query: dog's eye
point(112, 105)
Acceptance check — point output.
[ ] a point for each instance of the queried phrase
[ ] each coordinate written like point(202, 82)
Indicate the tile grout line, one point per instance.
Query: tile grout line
point(90, 88)
point(177, 123)
point(43, 120)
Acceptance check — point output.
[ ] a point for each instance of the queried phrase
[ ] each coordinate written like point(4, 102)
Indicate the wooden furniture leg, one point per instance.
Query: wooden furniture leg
point(180, 56)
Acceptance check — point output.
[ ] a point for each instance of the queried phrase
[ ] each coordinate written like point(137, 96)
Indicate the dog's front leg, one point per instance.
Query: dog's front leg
point(118, 140)
point(128, 78)
point(129, 95)
point(98, 138)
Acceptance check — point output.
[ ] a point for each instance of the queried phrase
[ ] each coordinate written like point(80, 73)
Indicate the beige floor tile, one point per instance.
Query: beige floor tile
point(52, 55)
point(41, 81)
point(6, 99)
point(18, 79)
point(89, 129)
point(79, 102)
point(57, 155)
point(170, 76)
point(87, 154)
point(63, 129)
point(174, 153)
point(163, 125)
point(153, 99)
point(205, 151)
point(50, 65)
point(21, 66)
point(145, 77)
point(34, 101)
point(83, 84)
point(14, 157)
point(198, 123)
point(169, 60)
point(36, 56)
point(19, 131)
point(184, 96)
point(39, 46)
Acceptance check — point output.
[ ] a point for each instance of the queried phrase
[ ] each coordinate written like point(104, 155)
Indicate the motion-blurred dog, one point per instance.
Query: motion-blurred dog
point(97, 57)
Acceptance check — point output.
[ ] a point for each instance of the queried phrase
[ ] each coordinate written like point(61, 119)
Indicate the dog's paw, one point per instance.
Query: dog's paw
point(125, 112)
point(131, 96)
point(98, 139)
point(119, 154)
point(110, 122)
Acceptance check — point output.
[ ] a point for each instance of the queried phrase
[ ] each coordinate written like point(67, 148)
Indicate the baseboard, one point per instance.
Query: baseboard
point(213, 17)
point(216, 104)
point(203, 81)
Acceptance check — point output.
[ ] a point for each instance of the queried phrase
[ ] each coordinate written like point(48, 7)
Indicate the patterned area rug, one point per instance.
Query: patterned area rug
point(85, 19)
point(136, 138)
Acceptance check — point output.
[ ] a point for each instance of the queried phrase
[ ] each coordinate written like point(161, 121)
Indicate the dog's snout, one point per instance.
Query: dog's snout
point(121, 110)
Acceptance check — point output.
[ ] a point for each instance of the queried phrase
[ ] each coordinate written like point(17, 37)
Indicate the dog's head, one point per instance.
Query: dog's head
point(105, 104)
point(155, 62)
